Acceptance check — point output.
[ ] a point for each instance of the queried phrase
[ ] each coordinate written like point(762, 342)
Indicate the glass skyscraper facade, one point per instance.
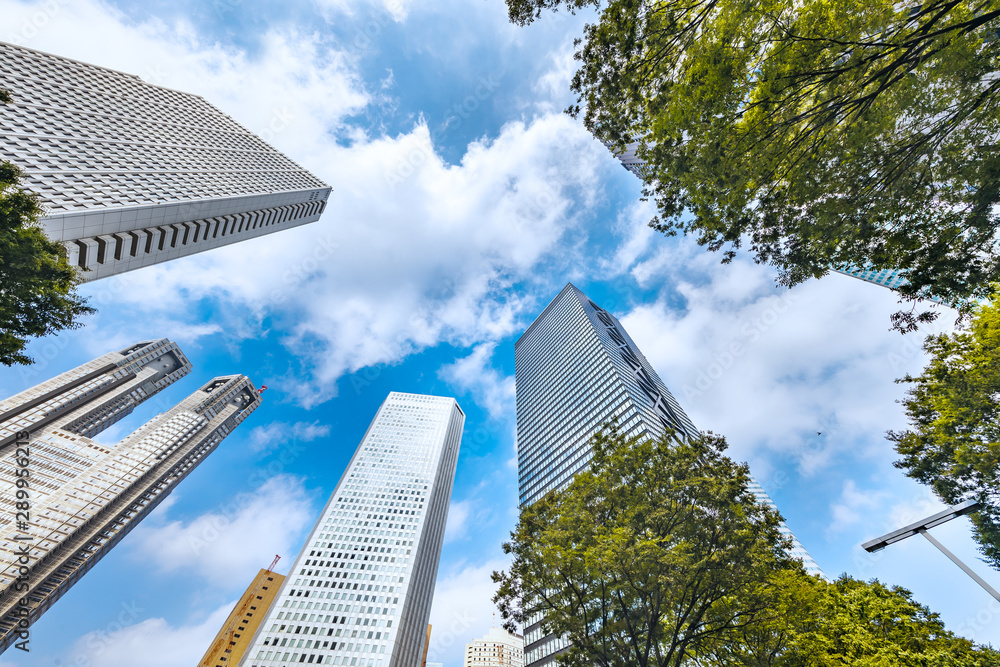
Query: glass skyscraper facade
point(890, 278)
point(577, 369)
point(359, 594)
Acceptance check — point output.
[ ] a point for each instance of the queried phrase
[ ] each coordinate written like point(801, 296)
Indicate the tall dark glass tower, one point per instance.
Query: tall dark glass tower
point(577, 369)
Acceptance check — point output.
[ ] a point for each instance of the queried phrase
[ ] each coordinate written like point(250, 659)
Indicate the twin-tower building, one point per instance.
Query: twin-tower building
point(65, 499)
point(360, 591)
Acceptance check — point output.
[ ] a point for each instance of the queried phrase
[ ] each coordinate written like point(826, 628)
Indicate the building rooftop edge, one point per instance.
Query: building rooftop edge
point(569, 286)
point(110, 69)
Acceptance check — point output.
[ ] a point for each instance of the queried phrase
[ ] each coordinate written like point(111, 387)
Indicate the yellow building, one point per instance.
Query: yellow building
point(234, 637)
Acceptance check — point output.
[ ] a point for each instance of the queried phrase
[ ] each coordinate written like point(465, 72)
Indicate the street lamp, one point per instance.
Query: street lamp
point(920, 527)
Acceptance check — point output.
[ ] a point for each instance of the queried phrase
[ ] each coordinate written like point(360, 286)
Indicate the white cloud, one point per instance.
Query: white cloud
point(807, 373)
point(230, 544)
point(855, 506)
point(458, 516)
point(411, 251)
point(274, 434)
point(159, 643)
point(552, 89)
point(463, 610)
point(475, 374)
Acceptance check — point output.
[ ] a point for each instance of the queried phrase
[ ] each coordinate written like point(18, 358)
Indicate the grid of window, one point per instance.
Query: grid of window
point(577, 369)
point(77, 129)
point(499, 648)
point(109, 154)
point(887, 277)
point(359, 594)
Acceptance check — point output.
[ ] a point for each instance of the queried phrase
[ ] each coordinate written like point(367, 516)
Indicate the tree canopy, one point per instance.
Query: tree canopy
point(853, 622)
point(37, 284)
point(953, 443)
point(655, 554)
point(822, 133)
point(659, 556)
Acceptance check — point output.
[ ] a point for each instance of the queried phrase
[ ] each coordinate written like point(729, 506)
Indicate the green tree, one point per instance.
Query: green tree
point(848, 622)
point(794, 597)
point(953, 443)
point(654, 555)
point(37, 284)
point(822, 133)
point(866, 623)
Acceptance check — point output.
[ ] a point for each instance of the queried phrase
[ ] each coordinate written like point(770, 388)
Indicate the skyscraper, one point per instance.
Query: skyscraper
point(498, 648)
point(359, 594)
point(577, 369)
point(82, 497)
point(132, 174)
point(890, 278)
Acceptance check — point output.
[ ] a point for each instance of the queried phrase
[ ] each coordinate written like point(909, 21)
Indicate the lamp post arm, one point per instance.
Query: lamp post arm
point(979, 580)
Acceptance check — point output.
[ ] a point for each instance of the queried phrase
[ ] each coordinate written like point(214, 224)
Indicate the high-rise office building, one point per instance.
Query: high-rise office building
point(890, 278)
point(132, 174)
point(577, 369)
point(82, 497)
point(360, 592)
point(498, 648)
point(233, 638)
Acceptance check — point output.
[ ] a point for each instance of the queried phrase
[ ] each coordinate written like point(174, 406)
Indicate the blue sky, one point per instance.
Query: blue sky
point(463, 200)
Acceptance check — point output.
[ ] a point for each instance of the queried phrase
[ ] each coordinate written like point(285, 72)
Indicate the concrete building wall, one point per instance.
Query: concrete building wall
point(132, 174)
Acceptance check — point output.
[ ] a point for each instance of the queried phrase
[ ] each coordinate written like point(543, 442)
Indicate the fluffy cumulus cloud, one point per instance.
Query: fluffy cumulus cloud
point(806, 372)
point(158, 642)
point(227, 545)
point(272, 435)
point(854, 505)
point(490, 388)
point(412, 251)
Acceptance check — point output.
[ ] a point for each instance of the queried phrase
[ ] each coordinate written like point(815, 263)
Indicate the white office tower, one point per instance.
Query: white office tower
point(576, 370)
point(359, 594)
point(498, 648)
point(82, 497)
point(132, 174)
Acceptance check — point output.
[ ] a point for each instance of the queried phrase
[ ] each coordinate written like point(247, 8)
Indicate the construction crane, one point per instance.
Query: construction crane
point(224, 642)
